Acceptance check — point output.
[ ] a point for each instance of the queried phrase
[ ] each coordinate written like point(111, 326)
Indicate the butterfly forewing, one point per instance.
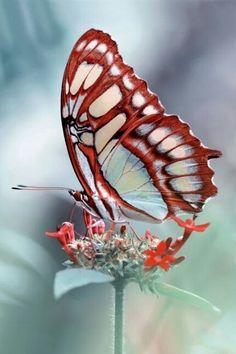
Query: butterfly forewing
point(125, 151)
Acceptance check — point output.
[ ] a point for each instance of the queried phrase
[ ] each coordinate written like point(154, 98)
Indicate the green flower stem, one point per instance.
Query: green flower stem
point(119, 286)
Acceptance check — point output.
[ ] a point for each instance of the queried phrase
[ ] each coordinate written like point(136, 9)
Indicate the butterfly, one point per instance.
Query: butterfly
point(132, 159)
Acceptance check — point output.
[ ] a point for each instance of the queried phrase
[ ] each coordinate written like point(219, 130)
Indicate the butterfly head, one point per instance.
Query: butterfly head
point(80, 197)
point(77, 195)
point(85, 201)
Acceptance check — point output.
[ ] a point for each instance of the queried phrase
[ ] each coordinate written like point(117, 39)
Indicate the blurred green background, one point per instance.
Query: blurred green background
point(186, 50)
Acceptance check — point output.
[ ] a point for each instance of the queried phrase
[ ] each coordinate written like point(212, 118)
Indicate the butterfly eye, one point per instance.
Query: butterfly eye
point(85, 197)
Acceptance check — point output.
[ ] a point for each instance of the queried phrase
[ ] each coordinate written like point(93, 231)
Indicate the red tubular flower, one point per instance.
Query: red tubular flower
point(164, 254)
point(190, 225)
point(97, 227)
point(149, 236)
point(94, 226)
point(156, 253)
point(161, 256)
point(65, 233)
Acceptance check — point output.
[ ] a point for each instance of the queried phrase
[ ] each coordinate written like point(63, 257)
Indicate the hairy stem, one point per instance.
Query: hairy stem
point(119, 316)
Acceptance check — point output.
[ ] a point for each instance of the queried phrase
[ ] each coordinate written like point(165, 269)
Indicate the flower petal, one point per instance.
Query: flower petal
point(179, 221)
point(178, 260)
point(190, 224)
point(201, 228)
point(151, 262)
point(150, 253)
point(161, 247)
point(164, 265)
point(52, 234)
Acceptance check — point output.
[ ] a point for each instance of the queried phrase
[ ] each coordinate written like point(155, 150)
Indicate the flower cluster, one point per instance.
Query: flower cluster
point(120, 253)
point(164, 253)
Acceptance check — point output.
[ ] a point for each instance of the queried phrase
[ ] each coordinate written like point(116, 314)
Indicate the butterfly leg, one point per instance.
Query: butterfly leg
point(93, 226)
point(110, 231)
point(133, 230)
point(88, 223)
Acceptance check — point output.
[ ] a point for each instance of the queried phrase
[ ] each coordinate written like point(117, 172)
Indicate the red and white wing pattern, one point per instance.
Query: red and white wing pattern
point(129, 157)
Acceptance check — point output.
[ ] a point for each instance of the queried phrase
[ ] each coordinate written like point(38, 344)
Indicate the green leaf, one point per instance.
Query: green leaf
point(26, 269)
point(184, 296)
point(69, 279)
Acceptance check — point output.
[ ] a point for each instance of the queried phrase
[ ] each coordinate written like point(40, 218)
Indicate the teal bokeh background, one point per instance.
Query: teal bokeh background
point(186, 50)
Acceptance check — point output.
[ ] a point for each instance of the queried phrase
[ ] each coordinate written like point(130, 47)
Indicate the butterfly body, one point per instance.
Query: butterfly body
point(132, 160)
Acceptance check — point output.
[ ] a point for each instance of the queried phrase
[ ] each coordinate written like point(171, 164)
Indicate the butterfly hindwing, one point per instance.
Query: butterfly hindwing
point(162, 163)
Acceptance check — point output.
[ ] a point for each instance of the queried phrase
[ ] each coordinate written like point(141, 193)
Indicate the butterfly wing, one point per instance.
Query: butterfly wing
point(112, 123)
point(164, 169)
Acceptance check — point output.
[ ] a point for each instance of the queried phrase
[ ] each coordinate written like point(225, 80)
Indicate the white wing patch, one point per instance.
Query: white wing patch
point(114, 71)
point(93, 76)
point(92, 44)
point(109, 58)
point(104, 134)
point(127, 83)
point(80, 75)
point(74, 136)
point(65, 111)
point(192, 197)
point(67, 87)
point(145, 128)
point(169, 143)
point(150, 109)
point(183, 167)
point(157, 135)
point(182, 151)
point(77, 105)
point(106, 101)
point(81, 46)
point(102, 48)
point(83, 117)
point(87, 138)
point(138, 99)
point(71, 104)
point(186, 183)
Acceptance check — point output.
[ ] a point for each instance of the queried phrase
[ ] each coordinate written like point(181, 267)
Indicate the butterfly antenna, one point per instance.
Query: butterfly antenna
point(22, 187)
